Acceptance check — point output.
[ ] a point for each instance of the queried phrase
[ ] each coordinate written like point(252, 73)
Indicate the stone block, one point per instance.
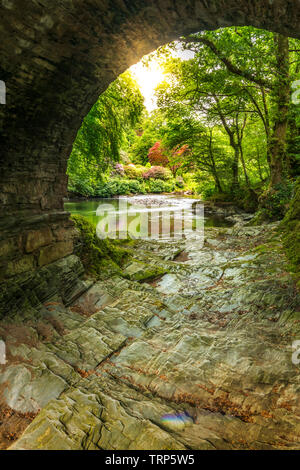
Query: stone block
point(20, 266)
point(64, 233)
point(38, 238)
point(54, 252)
point(9, 247)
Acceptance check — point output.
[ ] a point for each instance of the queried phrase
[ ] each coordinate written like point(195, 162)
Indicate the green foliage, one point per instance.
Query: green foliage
point(157, 172)
point(179, 182)
point(78, 185)
point(119, 186)
point(160, 186)
point(134, 171)
point(152, 130)
point(234, 86)
point(290, 228)
point(275, 202)
point(206, 187)
point(104, 131)
point(293, 140)
point(218, 117)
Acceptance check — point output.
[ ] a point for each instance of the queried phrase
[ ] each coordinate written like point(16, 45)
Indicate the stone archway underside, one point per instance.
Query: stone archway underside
point(56, 58)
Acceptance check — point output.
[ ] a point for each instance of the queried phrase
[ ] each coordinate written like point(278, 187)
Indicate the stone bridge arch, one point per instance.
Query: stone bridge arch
point(56, 58)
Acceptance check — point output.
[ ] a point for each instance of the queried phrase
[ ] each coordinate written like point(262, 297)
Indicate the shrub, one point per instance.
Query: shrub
point(157, 172)
point(118, 186)
point(118, 170)
point(179, 182)
point(274, 202)
point(160, 186)
point(80, 186)
point(134, 172)
point(135, 187)
point(205, 187)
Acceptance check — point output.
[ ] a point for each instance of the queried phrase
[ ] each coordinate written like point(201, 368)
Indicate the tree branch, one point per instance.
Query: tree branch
point(230, 66)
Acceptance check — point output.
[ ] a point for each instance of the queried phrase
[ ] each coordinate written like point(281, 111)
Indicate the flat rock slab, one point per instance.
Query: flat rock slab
point(211, 340)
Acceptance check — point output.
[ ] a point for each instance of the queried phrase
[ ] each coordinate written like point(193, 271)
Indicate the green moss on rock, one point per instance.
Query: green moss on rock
point(139, 271)
point(290, 227)
point(273, 203)
point(99, 257)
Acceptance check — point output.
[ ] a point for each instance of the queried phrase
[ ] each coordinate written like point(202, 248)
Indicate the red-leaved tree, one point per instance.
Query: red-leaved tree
point(173, 159)
point(157, 156)
point(176, 158)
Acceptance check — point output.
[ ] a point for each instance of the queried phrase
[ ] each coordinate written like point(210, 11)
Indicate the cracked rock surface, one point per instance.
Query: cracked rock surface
point(212, 337)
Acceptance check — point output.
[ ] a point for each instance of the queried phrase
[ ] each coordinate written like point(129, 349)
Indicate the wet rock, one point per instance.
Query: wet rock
point(211, 339)
point(29, 290)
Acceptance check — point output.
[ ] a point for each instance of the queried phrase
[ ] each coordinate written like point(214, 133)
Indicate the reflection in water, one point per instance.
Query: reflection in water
point(148, 217)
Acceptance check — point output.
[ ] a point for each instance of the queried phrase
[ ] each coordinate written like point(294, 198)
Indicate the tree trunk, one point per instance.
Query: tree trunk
point(235, 168)
point(282, 97)
point(240, 135)
point(293, 145)
point(244, 166)
point(217, 180)
point(213, 165)
point(235, 164)
point(259, 166)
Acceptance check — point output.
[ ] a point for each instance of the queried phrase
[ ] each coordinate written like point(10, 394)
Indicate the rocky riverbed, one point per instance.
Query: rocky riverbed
point(212, 337)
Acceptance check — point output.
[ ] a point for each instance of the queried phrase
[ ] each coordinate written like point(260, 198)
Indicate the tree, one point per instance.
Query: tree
point(176, 158)
point(259, 59)
point(157, 156)
point(105, 131)
point(171, 158)
point(281, 96)
point(151, 130)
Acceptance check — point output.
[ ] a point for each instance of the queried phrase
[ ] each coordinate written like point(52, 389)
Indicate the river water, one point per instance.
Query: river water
point(147, 216)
